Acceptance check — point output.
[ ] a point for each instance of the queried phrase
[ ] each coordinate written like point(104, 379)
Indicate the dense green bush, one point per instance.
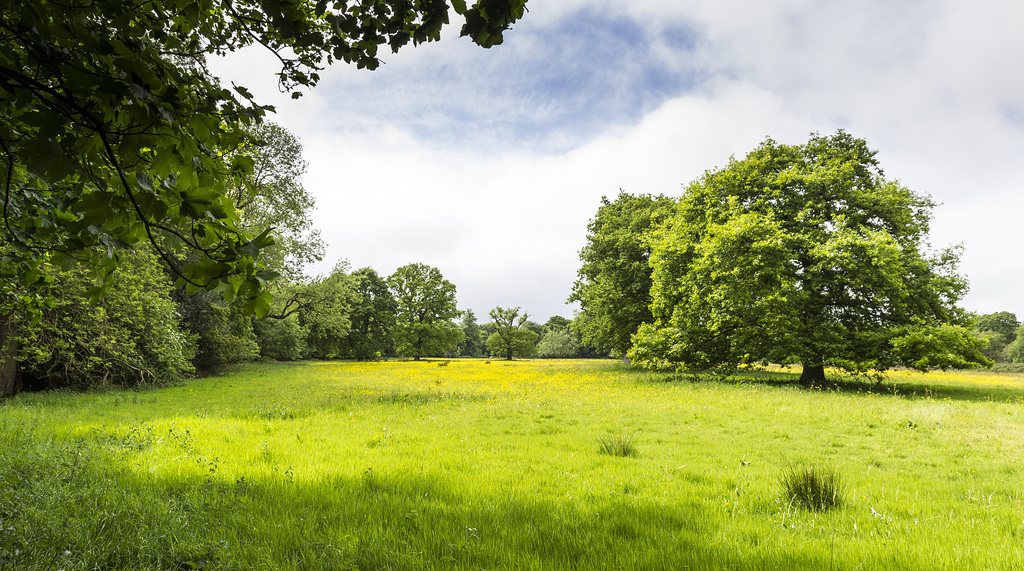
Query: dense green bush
point(132, 335)
point(558, 343)
point(224, 333)
point(280, 339)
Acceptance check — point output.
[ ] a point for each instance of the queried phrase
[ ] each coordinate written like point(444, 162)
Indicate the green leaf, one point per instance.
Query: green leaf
point(145, 181)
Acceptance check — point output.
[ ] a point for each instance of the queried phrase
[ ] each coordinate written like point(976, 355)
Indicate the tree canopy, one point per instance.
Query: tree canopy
point(511, 335)
point(614, 283)
point(373, 316)
point(113, 131)
point(275, 200)
point(1004, 323)
point(804, 254)
point(472, 344)
point(426, 306)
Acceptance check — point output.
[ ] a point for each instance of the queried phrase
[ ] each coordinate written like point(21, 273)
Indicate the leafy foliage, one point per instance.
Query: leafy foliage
point(426, 306)
point(372, 317)
point(804, 254)
point(558, 343)
point(280, 339)
point(511, 335)
point(113, 132)
point(325, 309)
point(1004, 323)
point(614, 283)
point(275, 200)
point(472, 336)
point(1000, 330)
point(132, 336)
point(223, 332)
point(1014, 352)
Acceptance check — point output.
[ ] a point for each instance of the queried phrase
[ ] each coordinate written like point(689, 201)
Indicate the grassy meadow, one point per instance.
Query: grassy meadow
point(471, 464)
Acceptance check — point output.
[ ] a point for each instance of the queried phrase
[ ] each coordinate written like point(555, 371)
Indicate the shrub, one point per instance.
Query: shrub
point(558, 343)
point(811, 489)
point(280, 339)
point(132, 335)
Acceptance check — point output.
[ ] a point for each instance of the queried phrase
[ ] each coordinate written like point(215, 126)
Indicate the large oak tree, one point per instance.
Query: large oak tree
point(804, 254)
point(425, 309)
point(614, 283)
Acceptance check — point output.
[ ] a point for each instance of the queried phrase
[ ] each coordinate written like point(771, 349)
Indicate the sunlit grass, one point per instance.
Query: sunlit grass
point(470, 465)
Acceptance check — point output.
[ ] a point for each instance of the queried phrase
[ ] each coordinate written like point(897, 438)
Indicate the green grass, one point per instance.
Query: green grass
point(499, 465)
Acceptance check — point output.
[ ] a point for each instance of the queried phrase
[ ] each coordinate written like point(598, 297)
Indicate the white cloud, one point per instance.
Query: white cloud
point(485, 165)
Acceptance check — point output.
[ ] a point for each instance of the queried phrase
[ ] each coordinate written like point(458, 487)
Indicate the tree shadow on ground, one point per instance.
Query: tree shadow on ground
point(997, 387)
point(374, 521)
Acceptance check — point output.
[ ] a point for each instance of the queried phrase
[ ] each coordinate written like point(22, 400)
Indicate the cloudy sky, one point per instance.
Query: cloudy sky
point(488, 164)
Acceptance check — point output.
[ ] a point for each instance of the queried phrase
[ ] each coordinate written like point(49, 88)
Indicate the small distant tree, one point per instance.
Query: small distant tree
point(280, 339)
point(473, 340)
point(1014, 352)
point(511, 335)
point(556, 321)
point(1002, 322)
point(558, 343)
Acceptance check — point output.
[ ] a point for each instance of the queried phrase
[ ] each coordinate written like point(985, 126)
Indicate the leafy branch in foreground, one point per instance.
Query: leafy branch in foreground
point(113, 132)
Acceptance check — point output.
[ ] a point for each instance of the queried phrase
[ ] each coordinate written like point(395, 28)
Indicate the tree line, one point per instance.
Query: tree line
point(134, 180)
point(119, 148)
point(139, 327)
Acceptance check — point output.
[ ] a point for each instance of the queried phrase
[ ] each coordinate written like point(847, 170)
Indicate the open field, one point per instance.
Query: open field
point(497, 465)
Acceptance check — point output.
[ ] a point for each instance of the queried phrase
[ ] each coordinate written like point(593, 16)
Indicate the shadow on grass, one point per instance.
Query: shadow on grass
point(1004, 387)
point(125, 520)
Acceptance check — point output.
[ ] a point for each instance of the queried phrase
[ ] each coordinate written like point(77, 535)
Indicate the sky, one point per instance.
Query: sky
point(489, 163)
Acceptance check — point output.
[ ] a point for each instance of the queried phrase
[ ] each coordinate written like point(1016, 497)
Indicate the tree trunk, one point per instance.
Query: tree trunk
point(812, 374)
point(8, 356)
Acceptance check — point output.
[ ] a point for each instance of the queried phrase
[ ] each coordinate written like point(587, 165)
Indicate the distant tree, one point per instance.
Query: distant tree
point(1002, 322)
point(473, 340)
point(558, 343)
point(535, 327)
point(273, 199)
point(995, 345)
point(373, 316)
point(325, 308)
point(1014, 352)
point(511, 335)
point(426, 306)
point(804, 254)
point(280, 339)
point(586, 350)
point(555, 322)
point(223, 330)
point(614, 283)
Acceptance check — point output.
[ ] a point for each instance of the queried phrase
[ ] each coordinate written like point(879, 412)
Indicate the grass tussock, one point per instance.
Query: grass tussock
point(622, 446)
point(812, 489)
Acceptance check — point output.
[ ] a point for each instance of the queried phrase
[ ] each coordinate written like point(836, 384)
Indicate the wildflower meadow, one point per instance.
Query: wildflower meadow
point(532, 464)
